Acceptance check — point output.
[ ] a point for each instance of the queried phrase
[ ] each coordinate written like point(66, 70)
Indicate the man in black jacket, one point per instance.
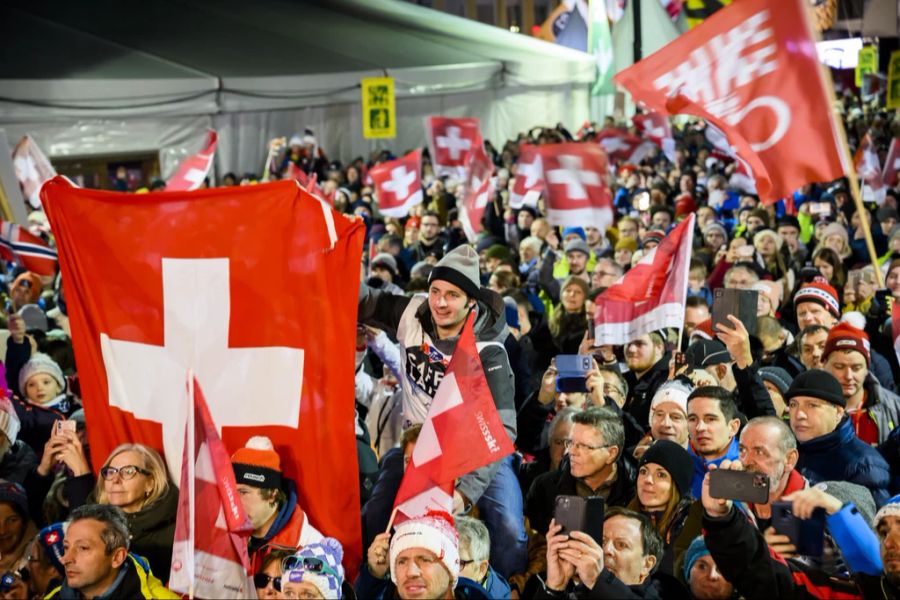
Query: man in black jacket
point(648, 365)
point(596, 466)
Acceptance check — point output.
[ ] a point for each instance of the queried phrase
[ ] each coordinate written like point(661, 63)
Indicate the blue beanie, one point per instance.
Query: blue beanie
point(512, 312)
point(576, 230)
point(696, 550)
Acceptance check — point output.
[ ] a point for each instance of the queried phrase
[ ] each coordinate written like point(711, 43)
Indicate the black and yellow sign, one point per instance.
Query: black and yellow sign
point(379, 111)
point(893, 82)
point(867, 63)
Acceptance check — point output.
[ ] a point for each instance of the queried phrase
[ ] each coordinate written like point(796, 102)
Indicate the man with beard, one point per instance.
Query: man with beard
point(648, 366)
point(430, 242)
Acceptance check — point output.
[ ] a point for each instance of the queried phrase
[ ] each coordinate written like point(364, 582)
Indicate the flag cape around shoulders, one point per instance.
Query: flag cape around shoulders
point(462, 432)
point(267, 271)
point(752, 70)
point(209, 559)
point(651, 295)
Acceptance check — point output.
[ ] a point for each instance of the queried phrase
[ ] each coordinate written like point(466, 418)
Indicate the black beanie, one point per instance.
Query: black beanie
point(818, 384)
point(674, 459)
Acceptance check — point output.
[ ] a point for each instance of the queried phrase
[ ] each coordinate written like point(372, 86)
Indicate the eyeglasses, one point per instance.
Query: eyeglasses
point(611, 390)
point(127, 472)
point(559, 441)
point(261, 581)
point(583, 447)
point(465, 563)
point(307, 563)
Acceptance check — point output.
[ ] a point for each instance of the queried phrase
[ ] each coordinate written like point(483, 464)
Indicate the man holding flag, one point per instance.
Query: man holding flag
point(428, 332)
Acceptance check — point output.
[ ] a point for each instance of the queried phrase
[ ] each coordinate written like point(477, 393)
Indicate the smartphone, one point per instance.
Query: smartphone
point(743, 486)
point(820, 208)
point(680, 361)
point(575, 513)
point(571, 372)
point(67, 425)
point(807, 535)
point(740, 303)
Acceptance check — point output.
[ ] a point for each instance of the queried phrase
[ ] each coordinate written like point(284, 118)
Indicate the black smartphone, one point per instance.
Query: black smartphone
point(743, 486)
point(575, 513)
point(807, 535)
point(740, 303)
point(680, 361)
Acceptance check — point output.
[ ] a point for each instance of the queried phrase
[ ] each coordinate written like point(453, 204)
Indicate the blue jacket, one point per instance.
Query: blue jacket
point(859, 545)
point(701, 465)
point(495, 585)
point(841, 456)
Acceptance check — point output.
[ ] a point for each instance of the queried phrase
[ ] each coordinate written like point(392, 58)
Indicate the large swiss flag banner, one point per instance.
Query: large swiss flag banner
point(752, 70)
point(253, 289)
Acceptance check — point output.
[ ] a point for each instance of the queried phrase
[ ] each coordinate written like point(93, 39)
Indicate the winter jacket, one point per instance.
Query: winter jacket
point(841, 456)
point(38, 421)
point(607, 586)
point(425, 358)
point(641, 391)
point(752, 397)
point(541, 498)
point(701, 465)
point(290, 529)
point(134, 581)
point(17, 462)
point(882, 406)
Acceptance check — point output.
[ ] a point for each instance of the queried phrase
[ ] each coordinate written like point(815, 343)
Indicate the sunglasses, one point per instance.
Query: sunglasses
point(307, 563)
point(261, 581)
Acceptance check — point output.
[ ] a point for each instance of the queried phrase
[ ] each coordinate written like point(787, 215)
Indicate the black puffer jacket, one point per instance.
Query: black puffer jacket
point(153, 532)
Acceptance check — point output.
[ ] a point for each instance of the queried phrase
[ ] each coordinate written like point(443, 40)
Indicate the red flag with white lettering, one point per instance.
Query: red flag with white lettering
point(868, 168)
point(478, 189)
point(32, 169)
point(892, 164)
point(194, 169)
point(209, 554)
point(574, 180)
point(462, 432)
point(450, 140)
point(529, 176)
point(398, 184)
point(253, 289)
point(651, 295)
point(752, 70)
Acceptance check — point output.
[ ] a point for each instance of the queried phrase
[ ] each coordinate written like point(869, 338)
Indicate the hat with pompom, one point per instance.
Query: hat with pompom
point(257, 464)
point(434, 531)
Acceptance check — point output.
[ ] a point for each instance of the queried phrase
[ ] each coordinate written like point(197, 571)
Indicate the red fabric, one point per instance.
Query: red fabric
point(449, 142)
point(17, 244)
point(892, 164)
point(653, 126)
point(194, 169)
point(32, 169)
point(293, 270)
point(477, 190)
point(398, 184)
point(575, 185)
point(463, 430)
point(218, 555)
point(752, 70)
point(867, 164)
point(529, 175)
point(864, 425)
point(621, 146)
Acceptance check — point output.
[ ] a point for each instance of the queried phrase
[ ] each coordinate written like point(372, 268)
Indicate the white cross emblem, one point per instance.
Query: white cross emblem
point(244, 386)
point(454, 142)
point(532, 171)
point(195, 175)
point(614, 144)
point(573, 177)
point(400, 182)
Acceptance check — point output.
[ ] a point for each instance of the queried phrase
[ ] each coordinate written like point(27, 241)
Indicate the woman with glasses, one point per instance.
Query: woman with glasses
point(134, 478)
point(268, 579)
point(315, 572)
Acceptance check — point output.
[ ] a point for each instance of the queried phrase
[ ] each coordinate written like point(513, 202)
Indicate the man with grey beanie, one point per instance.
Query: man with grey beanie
point(428, 330)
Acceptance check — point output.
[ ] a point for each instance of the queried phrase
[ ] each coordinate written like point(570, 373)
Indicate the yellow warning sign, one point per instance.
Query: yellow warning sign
point(379, 111)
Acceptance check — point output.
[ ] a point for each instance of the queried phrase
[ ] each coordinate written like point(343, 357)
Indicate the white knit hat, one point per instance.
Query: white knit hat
point(890, 509)
point(433, 531)
point(41, 363)
point(672, 391)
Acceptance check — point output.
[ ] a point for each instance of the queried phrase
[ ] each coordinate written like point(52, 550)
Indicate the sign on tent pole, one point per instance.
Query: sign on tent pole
point(379, 110)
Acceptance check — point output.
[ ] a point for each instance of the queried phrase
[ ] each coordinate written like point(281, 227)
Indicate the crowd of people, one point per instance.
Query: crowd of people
point(807, 399)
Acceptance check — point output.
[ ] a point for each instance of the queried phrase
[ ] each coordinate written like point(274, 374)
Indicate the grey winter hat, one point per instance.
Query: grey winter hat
point(459, 267)
point(846, 492)
point(578, 245)
point(383, 259)
point(777, 377)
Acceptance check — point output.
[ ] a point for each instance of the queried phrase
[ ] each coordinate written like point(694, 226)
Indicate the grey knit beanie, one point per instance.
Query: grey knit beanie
point(459, 267)
point(41, 363)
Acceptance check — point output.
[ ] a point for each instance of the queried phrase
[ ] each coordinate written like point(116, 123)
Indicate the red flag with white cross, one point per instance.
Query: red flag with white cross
point(253, 290)
point(478, 189)
point(622, 146)
point(194, 169)
point(656, 128)
point(398, 184)
point(575, 184)
point(529, 176)
point(752, 70)
point(868, 168)
point(450, 140)
point(892, 164)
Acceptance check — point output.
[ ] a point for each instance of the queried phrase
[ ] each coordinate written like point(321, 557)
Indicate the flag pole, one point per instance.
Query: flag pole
point(846, 156)
point(192, 458)
point(687, 273)
point(391, 520)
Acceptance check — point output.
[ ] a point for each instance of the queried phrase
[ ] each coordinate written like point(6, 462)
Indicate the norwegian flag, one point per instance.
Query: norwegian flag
point(32, 169)
point(462, 432)
point(656, 128)
point(478, 190)
point(450, 140)
point(651, 295)
point(209, 554)
point(529, 176)
point(751, 69)
point(622, 146)
point(194, 169)
point(577, 194)
point(17, 244)
point(398, 184)
point(868, 168)
point(892, 164)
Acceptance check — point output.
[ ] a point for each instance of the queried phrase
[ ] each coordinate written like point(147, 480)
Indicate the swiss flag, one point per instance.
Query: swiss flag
point(462, 432)
point(264, 316)
point(450, 140)
point(308, 182)
point(529, 175)
point(398, 184)
point(32, 169)
point(574, 180)
point(656, 128)
point(17, 244)
point(868, 168)
point(210, 557)
point(194, 169)
point(751, 69)
point(478, 189)
point(892, 164)
point(651, 295)
point(622, 146)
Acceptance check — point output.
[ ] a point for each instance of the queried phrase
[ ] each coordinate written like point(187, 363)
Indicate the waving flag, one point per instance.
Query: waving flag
point(461, 433)
point(868, 167)
point(656, 128)
point(450, 140)
point(529, 175)
point(622, 146)
point(398, 184)
point(892, 164)
point(237, 285)
point(742, 178)
point(751, 69)
point(32, 169)
point(19, 245)
point(193, 170)
point(577, 194)
point(478, 189)
point(209, 554)
point(651, 295)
